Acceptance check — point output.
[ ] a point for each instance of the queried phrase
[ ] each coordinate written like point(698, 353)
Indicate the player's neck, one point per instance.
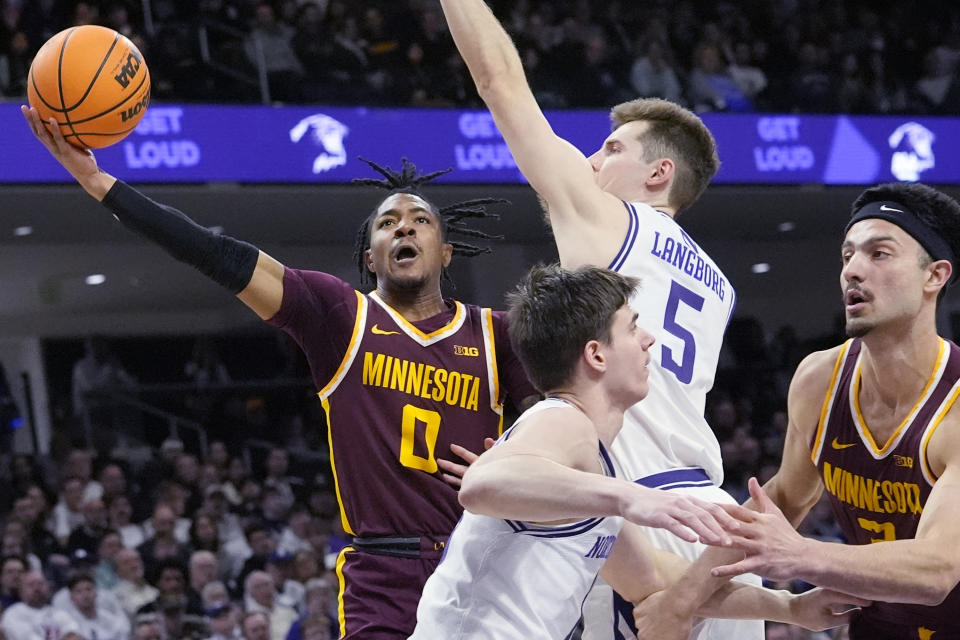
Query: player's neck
point(895, 367)
point(606, 416)
point(414, 305)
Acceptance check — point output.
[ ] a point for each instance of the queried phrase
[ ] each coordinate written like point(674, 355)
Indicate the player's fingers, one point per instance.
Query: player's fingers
point(33, 119)
point(718, 513)
point(452, 480)
point(452, 467)
point(760, 496)
point(740, 514)
point(706, 527)
point(487, 443)
point(735, 569)
point(462, 452)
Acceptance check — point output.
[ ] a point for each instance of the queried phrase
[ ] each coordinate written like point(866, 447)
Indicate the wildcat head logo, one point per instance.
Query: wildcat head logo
point(326, 133)
point(912, 145)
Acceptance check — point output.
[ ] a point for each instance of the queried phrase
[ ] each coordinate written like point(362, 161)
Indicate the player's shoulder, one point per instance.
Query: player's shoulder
point(815, 372)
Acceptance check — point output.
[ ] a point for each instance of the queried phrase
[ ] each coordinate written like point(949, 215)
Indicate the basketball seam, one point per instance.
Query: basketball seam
point(132, 94)
point(103, 63)
point(66, 114)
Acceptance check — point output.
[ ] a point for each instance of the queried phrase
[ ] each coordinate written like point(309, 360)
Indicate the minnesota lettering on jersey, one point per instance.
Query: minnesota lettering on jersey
point(873, 495)
point(422, 380)
point(684, 258)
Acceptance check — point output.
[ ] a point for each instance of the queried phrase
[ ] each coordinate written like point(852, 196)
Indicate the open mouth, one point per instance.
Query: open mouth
point(855, 299)
point(405, 254)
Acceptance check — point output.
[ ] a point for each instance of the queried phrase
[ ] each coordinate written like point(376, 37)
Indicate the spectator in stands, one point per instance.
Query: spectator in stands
point(810, 83)
point(87, 535)
point(98, 370)
point(318, 603)
point(276, 466)
point(202, 571)
point(269, 44)
point(11, 570)
point(748, 77)
point(105, 573)
point(259, 594)
point(67, 513)
point(93, 621)
point(132, 590)
point(256, 626)
point(113, 481)
point(148, 628)
point(162, 546)
point(261, 546)
point(222, 621)
point(652, 74)
point(171, 583)
point(295, 536)
point(233, 483)
point(33, 617)
point(289, 592)
point(119, 512)
point(710, 87)
point(214, 593)
point(29, 511)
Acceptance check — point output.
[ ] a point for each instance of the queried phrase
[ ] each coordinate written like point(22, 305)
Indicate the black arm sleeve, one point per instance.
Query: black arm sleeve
point(225, 260)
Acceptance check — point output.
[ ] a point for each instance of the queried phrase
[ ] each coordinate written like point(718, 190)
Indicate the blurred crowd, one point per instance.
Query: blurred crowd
point(166, 540)
point(812, 56)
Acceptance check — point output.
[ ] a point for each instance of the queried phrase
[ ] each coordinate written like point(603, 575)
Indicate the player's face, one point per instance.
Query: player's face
point(881, 280)
point(618, 166)
point(406, 243)
point(629, 355)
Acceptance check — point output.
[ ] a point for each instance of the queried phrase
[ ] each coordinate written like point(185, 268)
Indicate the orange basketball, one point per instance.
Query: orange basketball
point(93, 81)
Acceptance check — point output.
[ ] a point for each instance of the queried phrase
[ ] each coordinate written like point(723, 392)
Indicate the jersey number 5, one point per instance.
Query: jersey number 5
point(412, 417)
point(684, 368)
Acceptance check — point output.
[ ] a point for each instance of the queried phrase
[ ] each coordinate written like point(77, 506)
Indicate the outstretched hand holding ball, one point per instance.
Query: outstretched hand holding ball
point(93, 82)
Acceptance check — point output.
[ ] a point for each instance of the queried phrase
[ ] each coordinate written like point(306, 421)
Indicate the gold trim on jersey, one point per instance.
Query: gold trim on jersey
point(828, 402)
point(424, 339)
point(325, 402)
point(491, 357)
point(861, 424)
point(341, 610)
point(932, 427)
point(352, 348)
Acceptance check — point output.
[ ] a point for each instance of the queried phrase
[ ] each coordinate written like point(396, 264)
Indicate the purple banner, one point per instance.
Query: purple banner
point(222, 143)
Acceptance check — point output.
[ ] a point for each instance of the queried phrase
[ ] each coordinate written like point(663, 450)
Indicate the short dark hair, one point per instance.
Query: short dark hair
point(79, 577)
point(678, 134)
point(554, 312)
point(936, 209)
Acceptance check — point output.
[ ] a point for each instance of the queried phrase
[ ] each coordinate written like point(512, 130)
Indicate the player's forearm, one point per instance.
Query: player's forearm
point(96, 184)
point(737, 600)
point(533, 488)
point(694, 585)
point(483, 43)
point(908, 571)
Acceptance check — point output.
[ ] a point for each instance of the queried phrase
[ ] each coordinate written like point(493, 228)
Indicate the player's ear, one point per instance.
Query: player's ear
point(593, 355)
point(368, 259)
point(446, 254)
point(662, 172)
point(938, 275)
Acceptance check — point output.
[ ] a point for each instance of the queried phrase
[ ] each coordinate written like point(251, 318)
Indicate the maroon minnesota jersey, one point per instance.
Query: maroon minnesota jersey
point(878, 491)
point(396, 395)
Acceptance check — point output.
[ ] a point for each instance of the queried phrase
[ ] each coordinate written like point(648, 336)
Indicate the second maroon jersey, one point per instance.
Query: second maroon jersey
point(878, 490)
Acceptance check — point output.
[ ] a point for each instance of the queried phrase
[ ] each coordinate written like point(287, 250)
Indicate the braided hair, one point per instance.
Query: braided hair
point(453, 217)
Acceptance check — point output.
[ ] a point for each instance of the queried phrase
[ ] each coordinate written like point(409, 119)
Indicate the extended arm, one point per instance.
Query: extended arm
point(636, 570)
point(922, 570)
point(588, 223)
point(795, 488)
point(542, 473)
point(255, 277)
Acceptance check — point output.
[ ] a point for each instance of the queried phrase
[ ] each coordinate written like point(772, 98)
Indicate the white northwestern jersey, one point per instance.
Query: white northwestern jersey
point(507, 579)
point(686, 302)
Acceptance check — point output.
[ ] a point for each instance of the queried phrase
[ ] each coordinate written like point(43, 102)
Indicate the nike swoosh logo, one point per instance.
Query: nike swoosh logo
point(837, 445)
point(380, 332)
point(884, 207)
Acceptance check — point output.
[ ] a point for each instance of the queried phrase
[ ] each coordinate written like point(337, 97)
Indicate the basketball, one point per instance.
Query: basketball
point(93, 81)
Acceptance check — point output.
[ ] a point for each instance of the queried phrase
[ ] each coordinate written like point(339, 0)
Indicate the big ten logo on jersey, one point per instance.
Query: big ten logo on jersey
point(601, 548)
point(460, 350)
point(903, 461)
